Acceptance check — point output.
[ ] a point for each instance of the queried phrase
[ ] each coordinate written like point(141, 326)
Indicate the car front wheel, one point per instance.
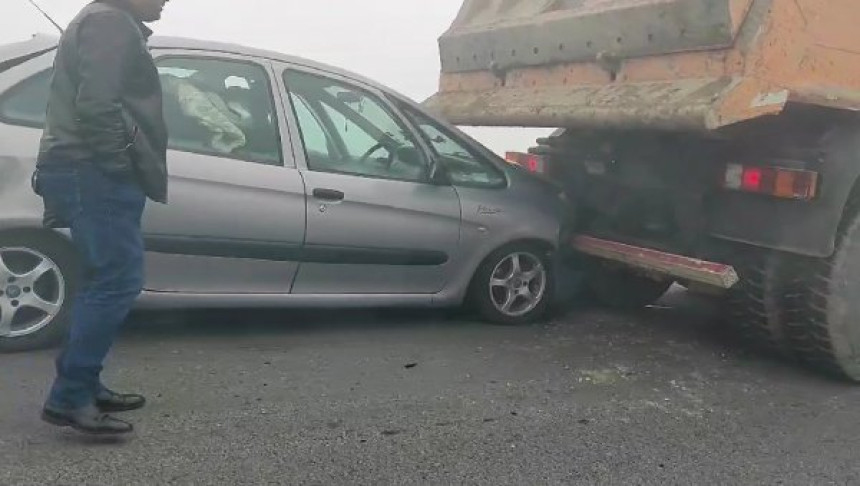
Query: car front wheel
point(37, 279)
point(514, 286)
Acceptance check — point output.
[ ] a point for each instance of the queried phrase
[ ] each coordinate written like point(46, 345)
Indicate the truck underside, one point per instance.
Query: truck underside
point(721, 130)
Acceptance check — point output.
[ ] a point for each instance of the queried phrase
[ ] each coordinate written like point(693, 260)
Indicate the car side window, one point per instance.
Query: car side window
point(27, 103)
point(464, 166)
point(362, 136)
point(220, 107)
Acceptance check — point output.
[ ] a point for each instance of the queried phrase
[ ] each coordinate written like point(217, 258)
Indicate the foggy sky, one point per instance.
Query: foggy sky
point(391, 41)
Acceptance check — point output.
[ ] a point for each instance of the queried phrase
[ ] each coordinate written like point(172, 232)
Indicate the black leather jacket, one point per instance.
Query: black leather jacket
point(106, 103)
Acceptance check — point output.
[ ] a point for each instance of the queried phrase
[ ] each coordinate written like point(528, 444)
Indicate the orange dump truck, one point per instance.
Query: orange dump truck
point(707, 142)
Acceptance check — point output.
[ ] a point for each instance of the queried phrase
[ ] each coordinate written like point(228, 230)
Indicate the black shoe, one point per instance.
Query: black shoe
point(109, 401)
point(88, 420)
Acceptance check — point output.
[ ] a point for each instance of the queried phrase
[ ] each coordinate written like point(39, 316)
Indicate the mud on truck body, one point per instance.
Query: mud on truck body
point(689, 132)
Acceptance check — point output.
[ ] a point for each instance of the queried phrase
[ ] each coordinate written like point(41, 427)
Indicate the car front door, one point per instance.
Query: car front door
point(236, 217)
point(376, 224)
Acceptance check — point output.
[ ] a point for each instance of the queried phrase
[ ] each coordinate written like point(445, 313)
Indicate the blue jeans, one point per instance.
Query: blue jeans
point(104, 215)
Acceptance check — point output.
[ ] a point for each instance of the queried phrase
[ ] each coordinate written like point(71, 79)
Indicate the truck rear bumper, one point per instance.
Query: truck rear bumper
point(680, 267)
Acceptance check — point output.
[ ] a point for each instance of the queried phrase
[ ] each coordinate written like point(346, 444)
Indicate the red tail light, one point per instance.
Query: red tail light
point(752, 179)
point(531, 162)
point(772, 181)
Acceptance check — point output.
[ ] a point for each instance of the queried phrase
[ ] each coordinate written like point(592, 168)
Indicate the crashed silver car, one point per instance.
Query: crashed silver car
point(292, 184)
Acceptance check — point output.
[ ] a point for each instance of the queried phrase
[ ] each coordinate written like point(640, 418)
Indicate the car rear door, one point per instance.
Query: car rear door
point(236, 217)
point(24, 90)
point(376, 224)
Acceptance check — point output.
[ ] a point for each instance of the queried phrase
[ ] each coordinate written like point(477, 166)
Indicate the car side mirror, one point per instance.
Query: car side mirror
point(438, 175)
point(415, 157)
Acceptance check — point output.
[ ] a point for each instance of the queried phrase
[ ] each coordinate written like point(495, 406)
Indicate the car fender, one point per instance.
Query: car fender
point(20, 207)
point(494, 219)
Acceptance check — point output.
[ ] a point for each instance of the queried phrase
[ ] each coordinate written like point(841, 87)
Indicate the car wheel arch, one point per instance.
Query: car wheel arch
point(538, 243)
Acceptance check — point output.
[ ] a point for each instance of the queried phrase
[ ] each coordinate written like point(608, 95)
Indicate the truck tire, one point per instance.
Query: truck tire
point(759, 305)
point(825, 328)
point(623, 289)
point(34, 310)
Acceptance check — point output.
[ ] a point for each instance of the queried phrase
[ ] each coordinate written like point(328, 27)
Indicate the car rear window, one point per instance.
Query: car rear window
point(27, 102)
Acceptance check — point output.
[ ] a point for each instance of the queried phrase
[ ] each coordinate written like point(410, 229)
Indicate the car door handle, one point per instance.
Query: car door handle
point(329, 194)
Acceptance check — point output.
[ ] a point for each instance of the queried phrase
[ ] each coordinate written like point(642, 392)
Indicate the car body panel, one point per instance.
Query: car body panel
point(187, 300)
point(19, 206)
point(404, 234)
point(225, 217)
point(243, 234)
point(222, 208)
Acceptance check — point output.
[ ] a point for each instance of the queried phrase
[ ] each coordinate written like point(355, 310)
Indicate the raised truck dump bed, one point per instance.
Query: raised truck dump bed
point(676, 64)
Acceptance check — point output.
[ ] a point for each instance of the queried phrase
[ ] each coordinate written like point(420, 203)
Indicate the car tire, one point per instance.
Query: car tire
point(515, 285)
point(38, 277)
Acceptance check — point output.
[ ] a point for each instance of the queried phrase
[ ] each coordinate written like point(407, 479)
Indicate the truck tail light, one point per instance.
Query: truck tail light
point(533, 163)
point(772, 181)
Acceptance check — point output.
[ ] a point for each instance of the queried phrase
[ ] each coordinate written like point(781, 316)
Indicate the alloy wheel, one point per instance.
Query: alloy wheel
point(32, 291)
point(518, 284)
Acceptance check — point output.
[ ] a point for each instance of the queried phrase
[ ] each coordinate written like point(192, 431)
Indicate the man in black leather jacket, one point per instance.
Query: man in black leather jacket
point(102, 153)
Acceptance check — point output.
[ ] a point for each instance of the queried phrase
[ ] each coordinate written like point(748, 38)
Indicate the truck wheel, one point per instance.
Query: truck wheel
point(825, 331)
point(759, 304)
point(514, 285)
point(620, 288)
point(38, 273)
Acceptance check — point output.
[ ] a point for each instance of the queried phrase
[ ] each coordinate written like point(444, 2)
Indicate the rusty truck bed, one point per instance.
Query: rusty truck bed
point(675, 64)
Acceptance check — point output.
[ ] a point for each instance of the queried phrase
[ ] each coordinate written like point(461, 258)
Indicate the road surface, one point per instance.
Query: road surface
point(663, 396)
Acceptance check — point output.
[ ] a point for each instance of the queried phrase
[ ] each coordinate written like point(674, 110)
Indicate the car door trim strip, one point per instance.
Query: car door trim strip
point(285, 252)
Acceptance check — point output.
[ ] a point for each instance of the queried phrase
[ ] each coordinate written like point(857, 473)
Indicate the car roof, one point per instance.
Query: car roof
point(42, 42)
point(182, 43)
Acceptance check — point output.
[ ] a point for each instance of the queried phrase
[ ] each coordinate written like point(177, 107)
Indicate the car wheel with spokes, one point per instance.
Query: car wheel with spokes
point(515, 285)
point(37, 279)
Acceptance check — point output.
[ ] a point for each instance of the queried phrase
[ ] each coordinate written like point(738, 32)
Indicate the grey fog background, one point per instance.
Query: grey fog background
point(392, 41)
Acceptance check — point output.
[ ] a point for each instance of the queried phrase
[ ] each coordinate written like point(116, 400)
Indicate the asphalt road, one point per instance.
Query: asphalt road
point(664, 396)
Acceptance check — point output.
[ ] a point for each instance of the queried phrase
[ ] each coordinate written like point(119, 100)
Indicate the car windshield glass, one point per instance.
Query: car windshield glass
point(465, 167)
